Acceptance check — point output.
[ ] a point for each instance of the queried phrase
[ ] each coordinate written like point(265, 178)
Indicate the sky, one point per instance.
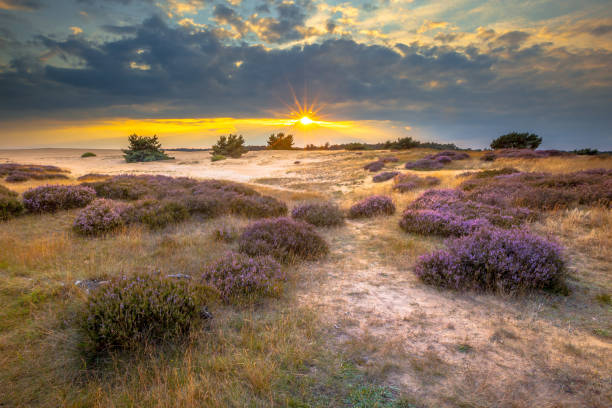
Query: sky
point(87, 73)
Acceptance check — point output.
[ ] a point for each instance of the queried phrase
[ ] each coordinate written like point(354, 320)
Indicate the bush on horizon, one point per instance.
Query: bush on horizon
point(236, 275)
point(144, 149)
point(230, 146)
point(320, 214)
point(88, 154)
point(372, 206)
point(283, 238)
point(515, 140)
point(51, 198)
point(10, 206)
point(280, 141)
point(507, 261)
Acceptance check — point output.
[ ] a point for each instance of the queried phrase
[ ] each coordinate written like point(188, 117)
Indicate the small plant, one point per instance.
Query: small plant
point(384, 176)
point(10, 206)
point(515, 140)
point(372, 206)
point(374, 166)
point(131, 312)
point(217, 157)
point(509, 261)
point(51, 198)
point(144, 149)
point(280, 142)
point(226, 233)
point(604, 299)
point(100, 217)
point(238, 275)
point(283, 238)
point(230, 146)
point(88, 154)
point(321, 214)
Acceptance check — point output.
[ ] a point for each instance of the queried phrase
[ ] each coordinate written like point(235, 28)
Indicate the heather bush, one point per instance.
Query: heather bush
point(51, 198)
point(16, 173)
point(432, 222)
point(159, 214)
point(372, 206)
point(407, 182)
point(239, 275)
point(283, 238)
point(321, 214)
point(256, 206)
point(443, 159)
point(522, 154)
point(424, 164)
point(99, 217)
point(374, 166)
point(10, 206)
point(508, 261)
point(388, 159)
point(131, 187)
point(494, 172)
point(17, 177)
point(131, 312)
point(205, 205)
point(449, 155)
point(384, 176)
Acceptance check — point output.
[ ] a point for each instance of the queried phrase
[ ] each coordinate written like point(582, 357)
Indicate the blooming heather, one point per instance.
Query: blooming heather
point(374, 166)
point(372, 206)
point(432, 222)
point(237, 274)
point(51, 198)
point(321, 214)
point(509, 261)
point(424, 164)
point(384, 176)
point(283, 238)
point(99, 217)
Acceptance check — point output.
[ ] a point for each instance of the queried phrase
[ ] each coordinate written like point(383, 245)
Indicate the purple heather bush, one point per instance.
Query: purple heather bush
point(449, 154)
point(432, 222)
point(238, 275)
point(509, 261)
point(321, 214)
point(374, 166)
point(16, 173)
point(100, 217)
point(51, 198)
point(522, 154)
point(10, 206)
point(443, 159)
point(389, 159)
point(407, 182)
point(384, 176)
point(283, 238)
point(131, 312)
point(372, 206)
point(256, 206)
point(156, 214)
point(424, 164)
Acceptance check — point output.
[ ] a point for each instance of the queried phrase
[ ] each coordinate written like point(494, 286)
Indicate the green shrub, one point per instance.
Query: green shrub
point(586, 152)
point(144, 149)
point(130, 312)
point(516, 140)
point(231, 146)
point(10, 206)
point(280, 142)
point(355, 146)
point(217, 157)
point(88, 154)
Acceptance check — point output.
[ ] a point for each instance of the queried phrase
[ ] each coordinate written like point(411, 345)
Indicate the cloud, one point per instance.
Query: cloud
point(27, 5)
point(76, 30)
point(431, 25)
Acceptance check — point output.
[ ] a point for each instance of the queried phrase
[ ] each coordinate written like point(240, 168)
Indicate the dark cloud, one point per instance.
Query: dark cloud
point(226, 15)
point(121, 30)
point(192, 73)
point(511, 39)
point(601, 30)
point(20, 4)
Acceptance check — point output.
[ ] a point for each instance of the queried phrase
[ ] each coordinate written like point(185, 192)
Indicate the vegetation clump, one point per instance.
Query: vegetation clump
point(432, 222)
point(230, 146)
point(321, 214)
point(497, 260)
point(16, 173)
point(10, 206)
point(372, 206)
point(424, 164)
point(521, 154)
point(100, 217)
point(238, 275)
point(280, 141)
point(144, 149)
point(88, 154)
point(586, 152)
point(407, 182)
point(52, 198)
point(515, 140)
point(156, 214)
point(384, 176)
point(283, 238)
point(374, 166)
point(256, 206)
point(130, 312)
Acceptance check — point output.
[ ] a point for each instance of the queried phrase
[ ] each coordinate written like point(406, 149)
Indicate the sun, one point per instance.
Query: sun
point(305, 120)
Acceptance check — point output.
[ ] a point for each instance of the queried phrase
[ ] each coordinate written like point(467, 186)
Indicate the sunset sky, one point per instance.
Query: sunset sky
point(86, 73)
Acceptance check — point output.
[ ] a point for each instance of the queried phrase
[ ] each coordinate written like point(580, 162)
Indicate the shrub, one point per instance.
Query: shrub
point(280, 142)
point(130, 312)
point(389, 159)
point(238, 275)
point(449, 155)
point(443, 159)
point(16, 173)
point(159, 214)
point(372, 206)
point(587, 152)
point(354, 146)
point(144, 149)
point(516, 140)
point(88, 154)
point(384, 176)
point(231, 146)
point(403, 143)
point(424, 164)
point(99, 217)
point(257, 206)
point(57, 197)
point(494, 172)
point(432, 222)
point(407, 182)
point(374, 166)
point(488, 156)
point(283, 238)
point(10, 206)
point(494, 260)
point(321, 214)
point(206, 205)
point(217, 157)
